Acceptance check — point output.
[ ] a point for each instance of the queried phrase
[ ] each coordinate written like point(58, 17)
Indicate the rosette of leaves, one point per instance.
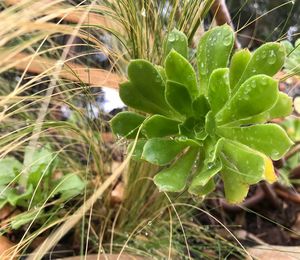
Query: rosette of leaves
point(200, 125)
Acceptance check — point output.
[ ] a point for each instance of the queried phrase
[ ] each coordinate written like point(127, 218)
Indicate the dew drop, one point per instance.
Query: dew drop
point(227, 40)
point(210, 165)
point(171, 37)
point(143, 12)
point(272, 57)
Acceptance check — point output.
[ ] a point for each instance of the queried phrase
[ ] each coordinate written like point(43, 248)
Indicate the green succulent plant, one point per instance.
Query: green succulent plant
point(196, 126)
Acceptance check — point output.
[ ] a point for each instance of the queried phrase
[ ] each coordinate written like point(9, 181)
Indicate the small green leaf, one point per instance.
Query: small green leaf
point(174, 178)
point(213, 52)
point(203, 177)
point(160, 126)
point(126, 124)
point(239, 62)
point(200, 107)
point(269, 139)
point(176, 40)
point(14, 197)
point(250, 100)
point(161, 151)
point(179, 70)
point(267, 59)
point(188, 127)
point(9, 167)
point(69, 186)
point(24, 218)
point(145, 90)
point(218, 89)
point(179, 98)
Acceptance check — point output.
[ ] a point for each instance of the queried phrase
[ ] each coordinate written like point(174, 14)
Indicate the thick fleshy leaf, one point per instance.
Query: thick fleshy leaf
point(160, 126)
point(162, 72)
point(179, 70)
point(161, 151)
point(267, 59)
point(188, 141)
point(235, 190)
point(200, 107)
point(257, 95)
point(269, 139)
point(210, 124)
point(213, 52)
point(239, 62)
point(203, 177)
point(282, 108)
point(242, 166)
point(188, 126)
point(126, 124)
point(175, 177)
point(176, 40)
point(218, 89)
point(145, 90)
point(248, 164)
point(179, 98)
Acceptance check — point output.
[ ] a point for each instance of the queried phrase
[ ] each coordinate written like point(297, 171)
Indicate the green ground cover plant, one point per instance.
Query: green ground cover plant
point(196, 126)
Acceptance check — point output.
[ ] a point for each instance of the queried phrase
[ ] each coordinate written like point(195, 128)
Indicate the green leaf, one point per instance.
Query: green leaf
point(188, 127)
point(213, 52)
point(138, 150)
point(235, 190)
point(210, 124)
point(200, 107)
point(14, 197)
point(176, 40)
point(160, 126)
point(179, 98)
point(69, 186)
point(145, 90)
point(204, 177)
point(161, 151)
point(282, 108)
point(218, 89)
point(269, 139)
point(174, 178)
point(257, 95)
point(248, 164)
point(179, 70)
point(162, 72)
point(239, 62)
point(267, 59)
point(40, 164)
point(9, 167)
point(242, 166)
point(126, 124)
point(24, 218)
